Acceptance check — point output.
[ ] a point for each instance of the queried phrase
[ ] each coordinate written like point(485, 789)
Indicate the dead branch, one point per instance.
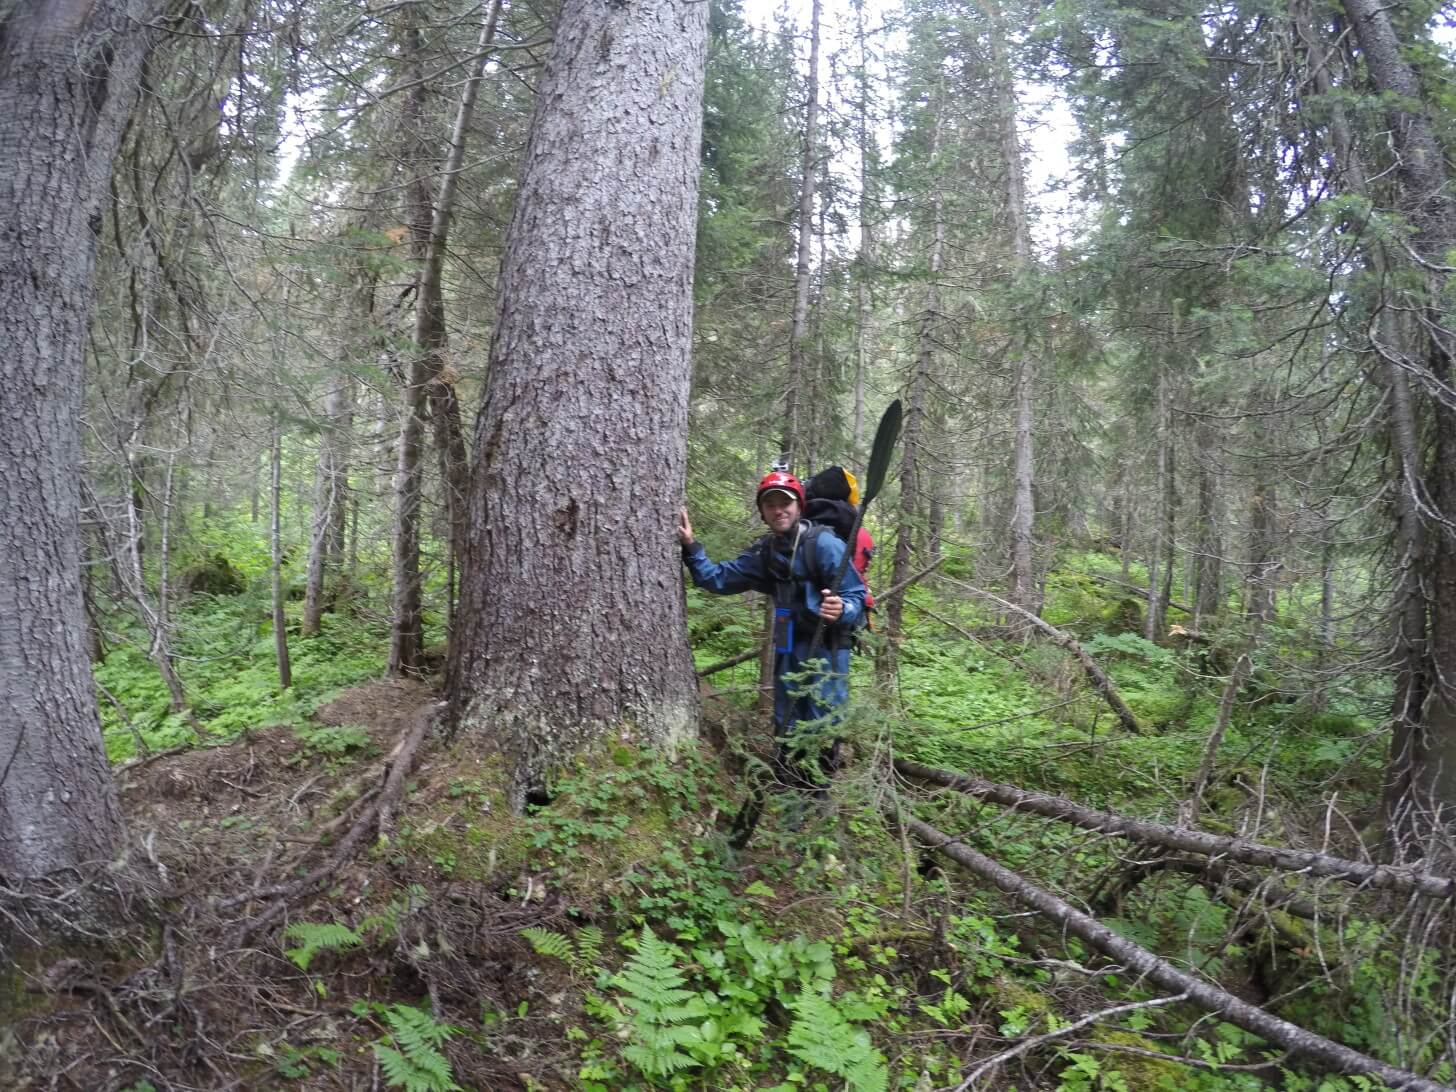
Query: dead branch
point(1099, 678)
point(1194, 804)
point(732, 661)
point(1359, 873)
point(377, 814)
point(1037, 1040)
point(1300, 1041)
point(1143, 592)
point(1212, 876)
point(914, 578)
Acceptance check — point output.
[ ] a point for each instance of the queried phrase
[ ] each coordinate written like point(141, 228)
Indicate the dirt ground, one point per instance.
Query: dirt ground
point(156, 976)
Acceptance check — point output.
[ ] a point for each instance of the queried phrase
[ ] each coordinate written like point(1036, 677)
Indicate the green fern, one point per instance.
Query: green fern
point(548, 942)
point(822, 1037)
point(414, 1062)
point(581, 956)
point(659, 1008)
point(589, 943)
point(318, 936)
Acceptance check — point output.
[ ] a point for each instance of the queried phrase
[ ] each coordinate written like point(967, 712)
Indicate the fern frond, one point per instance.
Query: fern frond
point(658, 1006)
point(398, 1071)
point(416, 1029)
point(317, 936)
point(651, 978)
point(822, 1037)
point(589, 943)
point(417, 1065)
point(548, 942)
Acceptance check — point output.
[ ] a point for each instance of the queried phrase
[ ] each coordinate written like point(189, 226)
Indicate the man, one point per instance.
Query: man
point(796, 563)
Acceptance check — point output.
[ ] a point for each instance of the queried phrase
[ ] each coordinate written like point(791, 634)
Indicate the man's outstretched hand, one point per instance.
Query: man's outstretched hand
point(684, 528)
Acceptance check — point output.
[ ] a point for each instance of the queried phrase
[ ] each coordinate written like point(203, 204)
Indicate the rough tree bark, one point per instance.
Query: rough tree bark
point(911, 450)
point(1025, 589)
point(69, 71)
point(571, 625)
point(798, 329)
point(406, 633)
point(1421, 781)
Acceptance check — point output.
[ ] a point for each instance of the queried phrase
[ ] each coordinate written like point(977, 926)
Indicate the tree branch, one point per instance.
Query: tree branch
point(1376, 877)
point(1300, 1041)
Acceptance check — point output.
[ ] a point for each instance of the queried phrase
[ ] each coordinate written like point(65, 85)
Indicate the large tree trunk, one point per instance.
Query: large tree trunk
point(571, 625)
point(68, 79)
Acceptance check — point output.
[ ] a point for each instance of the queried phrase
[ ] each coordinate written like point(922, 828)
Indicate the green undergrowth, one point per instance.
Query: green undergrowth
point(224, 654)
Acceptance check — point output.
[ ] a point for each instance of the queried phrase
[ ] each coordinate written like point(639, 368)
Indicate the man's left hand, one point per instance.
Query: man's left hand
point(830, 605)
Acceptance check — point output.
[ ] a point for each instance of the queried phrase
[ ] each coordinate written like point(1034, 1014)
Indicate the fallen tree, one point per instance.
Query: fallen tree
point(1360, 873)
point(1297, 1040)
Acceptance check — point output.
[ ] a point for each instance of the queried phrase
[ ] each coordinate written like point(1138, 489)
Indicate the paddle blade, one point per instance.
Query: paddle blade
point(887, 435)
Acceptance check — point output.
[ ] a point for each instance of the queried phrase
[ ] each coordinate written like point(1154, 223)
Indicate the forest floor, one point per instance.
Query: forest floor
point(343, 901)
point(171, 987)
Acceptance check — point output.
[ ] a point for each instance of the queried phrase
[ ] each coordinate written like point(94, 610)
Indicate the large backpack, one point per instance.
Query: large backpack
point(830, 497)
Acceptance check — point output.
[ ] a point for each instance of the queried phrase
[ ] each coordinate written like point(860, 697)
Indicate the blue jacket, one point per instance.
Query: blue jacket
point(815, 564)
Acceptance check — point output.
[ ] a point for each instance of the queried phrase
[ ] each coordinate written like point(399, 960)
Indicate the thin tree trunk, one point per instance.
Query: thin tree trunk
point(1157, 608)
point(1260, 596)
point(1207, 579)
point(330, 506)
point(1025, 589)
point(430, 333)
point(799, 326)
point(864, 259)
point(406, 635)
point(887, 664)
point(275, 545)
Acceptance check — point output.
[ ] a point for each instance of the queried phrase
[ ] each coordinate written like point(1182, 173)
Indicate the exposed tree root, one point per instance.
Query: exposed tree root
point(1358, 873)
point(377, 815)
point(1297, 1040)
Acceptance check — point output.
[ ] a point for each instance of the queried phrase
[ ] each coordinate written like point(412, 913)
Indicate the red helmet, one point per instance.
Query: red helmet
point(781, 481)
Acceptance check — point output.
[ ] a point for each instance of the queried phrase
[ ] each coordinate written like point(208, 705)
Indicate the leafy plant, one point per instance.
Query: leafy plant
point(411, 1058)
point(659, 1008)
point(581, 954)
point(821, 1036)
point(318, 936)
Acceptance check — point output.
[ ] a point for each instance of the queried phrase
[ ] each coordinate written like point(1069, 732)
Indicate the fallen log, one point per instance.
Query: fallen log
point(1297, 1040)
point(1099, 678)
point(732, 661)
point(1358, 873)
